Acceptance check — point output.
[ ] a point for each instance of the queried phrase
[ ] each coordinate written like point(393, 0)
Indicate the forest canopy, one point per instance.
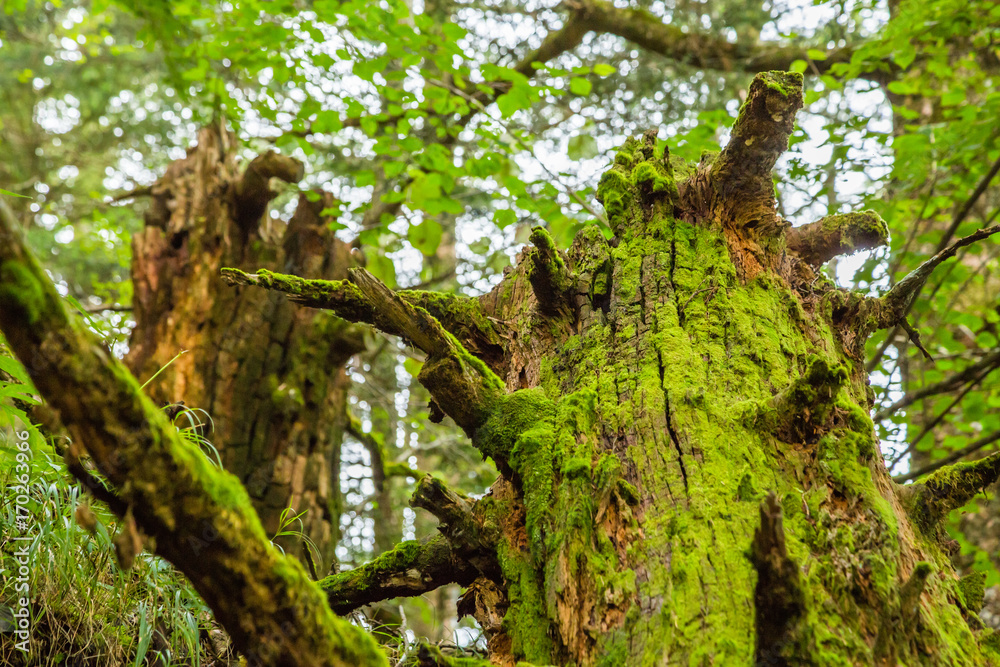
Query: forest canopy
point(346, 332)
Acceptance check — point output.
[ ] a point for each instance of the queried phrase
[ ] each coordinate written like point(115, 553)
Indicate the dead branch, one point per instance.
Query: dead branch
point(951, 487)
point(835, 235)
point(759, 136)
point(458, 524)
point(428, 655)
point(950, 383)
point(971, 448)
point(461, 316)
point(462, 385)
point(145, 191)
point(698, 49)
point(892, 307)
point(411, 569)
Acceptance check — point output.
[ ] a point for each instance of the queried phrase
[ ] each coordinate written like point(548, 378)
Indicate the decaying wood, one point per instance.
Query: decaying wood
point(778, 599)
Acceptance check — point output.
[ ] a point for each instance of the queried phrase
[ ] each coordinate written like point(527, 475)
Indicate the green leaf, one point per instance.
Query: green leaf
point(425, 237)
point(413, 366)
point(580, 86)
point(604, 69)
point(900, 87)
point(515, 100)
point(504, 217)
point(816, 54)
point(582, 147)
point(12, 194)
point(14, 368)
point(383, 268)
point(393, 169)
point(798, 66)
point(905, 55)
point(953, 98)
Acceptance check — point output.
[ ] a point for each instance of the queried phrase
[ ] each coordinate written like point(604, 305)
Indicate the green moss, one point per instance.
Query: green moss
point(21, 292)
point(787, 84)
point(857, 229)
point(746, 491)
point(972, 589)
point(403, 556)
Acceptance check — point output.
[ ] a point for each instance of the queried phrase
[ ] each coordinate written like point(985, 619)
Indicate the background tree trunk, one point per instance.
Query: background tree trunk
point(270, 376)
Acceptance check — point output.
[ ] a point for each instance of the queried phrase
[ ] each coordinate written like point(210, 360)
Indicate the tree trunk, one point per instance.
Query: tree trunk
point(689, 474)
point(270, 376)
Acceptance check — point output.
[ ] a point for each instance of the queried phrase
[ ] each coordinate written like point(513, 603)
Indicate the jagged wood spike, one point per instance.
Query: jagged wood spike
point(760, 134)
point(900, 625)
point(778, 598)
point(843, 234)
point(410, 569)
point(551, 280)
point(252, 192)
point(949, 488)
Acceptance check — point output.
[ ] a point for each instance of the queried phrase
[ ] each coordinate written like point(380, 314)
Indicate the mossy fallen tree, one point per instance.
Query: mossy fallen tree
point(679, 415)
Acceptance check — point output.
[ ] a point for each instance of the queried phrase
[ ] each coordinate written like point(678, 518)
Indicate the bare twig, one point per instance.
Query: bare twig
point(971, 448)
point(896, 303)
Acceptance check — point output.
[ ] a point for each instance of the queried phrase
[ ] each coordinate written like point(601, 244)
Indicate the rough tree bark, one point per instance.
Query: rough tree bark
point(270, 376)
point(679, 416)
point(653, 390)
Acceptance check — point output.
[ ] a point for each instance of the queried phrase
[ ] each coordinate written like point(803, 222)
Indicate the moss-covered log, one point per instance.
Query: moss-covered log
point(198, 517)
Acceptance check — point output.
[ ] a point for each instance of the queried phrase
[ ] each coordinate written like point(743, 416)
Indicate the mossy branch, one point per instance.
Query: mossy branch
point(835, 235)
point(951, 487)
point(778, 598)
point(461, 316)
point(252, 192)
point(759, 136)
point(698, 49)
point(463, 387)
point(458, 524)
point(200, 517)
point(891, 308)
point(410, 569)
point(550, 278)
point(427, 655)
